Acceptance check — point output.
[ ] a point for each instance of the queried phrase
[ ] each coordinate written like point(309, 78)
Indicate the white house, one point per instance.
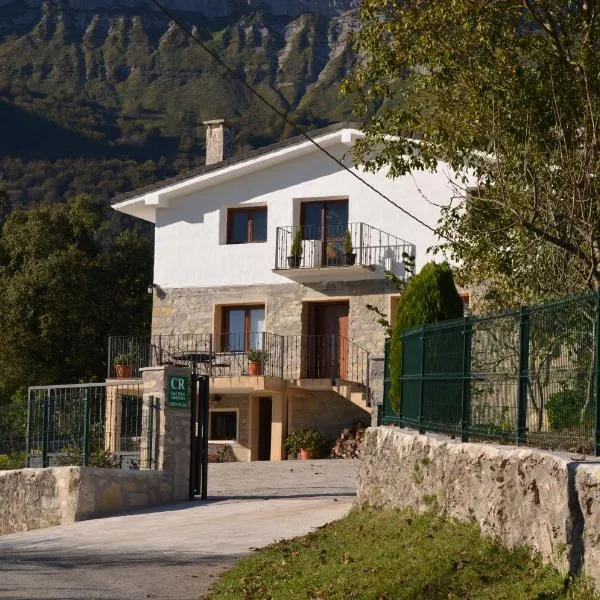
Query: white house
point(228, 279)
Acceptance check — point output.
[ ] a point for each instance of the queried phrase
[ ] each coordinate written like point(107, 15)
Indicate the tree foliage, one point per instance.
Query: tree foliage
point(429, 297)
point(63, 289)
point(508, 93)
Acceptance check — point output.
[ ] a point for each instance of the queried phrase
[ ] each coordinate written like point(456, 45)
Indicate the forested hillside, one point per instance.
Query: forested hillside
point(104, 96)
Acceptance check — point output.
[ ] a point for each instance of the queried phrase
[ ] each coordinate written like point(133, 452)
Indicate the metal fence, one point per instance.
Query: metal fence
point(94, 424)
point(525, 377)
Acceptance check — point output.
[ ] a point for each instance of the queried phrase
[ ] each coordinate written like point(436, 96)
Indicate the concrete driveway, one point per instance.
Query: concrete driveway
point(175, 552)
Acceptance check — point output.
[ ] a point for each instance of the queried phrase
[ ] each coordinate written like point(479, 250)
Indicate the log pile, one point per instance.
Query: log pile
point(349, 444)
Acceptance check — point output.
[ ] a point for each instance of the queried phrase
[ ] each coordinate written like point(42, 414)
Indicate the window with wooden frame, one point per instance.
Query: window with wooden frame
point(247, 225)
point(223, 425)
point(244, 328)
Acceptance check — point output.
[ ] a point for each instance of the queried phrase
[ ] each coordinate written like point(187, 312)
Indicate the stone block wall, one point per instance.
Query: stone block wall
point(376, 377)
point(326, 411)
point(195, 310)
point(545, 500)
point(35, 498)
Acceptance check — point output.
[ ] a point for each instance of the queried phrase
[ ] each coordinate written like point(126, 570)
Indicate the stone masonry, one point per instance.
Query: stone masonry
point(172, 450)
point(195, 310)
point(36, 498)
point(548, 501)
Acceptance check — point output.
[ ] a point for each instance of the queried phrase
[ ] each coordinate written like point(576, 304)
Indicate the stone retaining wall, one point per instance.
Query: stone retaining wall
point(548, 501)
point(34, 498)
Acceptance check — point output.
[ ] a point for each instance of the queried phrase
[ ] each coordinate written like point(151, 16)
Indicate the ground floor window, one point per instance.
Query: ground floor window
point(223, 425)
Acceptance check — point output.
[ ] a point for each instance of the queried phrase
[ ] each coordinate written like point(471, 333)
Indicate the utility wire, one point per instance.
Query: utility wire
point(283, 116)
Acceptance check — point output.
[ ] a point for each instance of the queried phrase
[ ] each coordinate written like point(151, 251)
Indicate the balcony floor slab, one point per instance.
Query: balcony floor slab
point(334, 273)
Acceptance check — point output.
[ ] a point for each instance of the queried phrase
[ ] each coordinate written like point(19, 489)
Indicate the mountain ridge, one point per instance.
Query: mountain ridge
point(133, 86)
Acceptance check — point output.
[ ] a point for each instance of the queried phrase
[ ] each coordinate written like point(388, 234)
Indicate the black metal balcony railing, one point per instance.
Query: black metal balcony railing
point(370, 247)
point(288, 357)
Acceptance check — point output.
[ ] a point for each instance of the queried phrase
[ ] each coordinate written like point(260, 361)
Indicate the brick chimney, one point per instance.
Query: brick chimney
point(219, 141)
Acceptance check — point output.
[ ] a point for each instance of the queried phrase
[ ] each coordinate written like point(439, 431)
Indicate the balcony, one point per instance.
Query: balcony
point(309, 361)
point(326, 257)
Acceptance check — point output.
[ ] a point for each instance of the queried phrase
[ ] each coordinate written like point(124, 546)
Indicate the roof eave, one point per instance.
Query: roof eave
point(145, 205)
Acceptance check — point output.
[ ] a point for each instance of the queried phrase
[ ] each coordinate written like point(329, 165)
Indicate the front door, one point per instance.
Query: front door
point(327, 342)
point(265, 418)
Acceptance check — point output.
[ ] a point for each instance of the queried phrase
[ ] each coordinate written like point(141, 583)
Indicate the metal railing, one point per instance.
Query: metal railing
point(93, 424)
point(528, 377)
point(331, 357)
point(288, 357)
point(371, 247)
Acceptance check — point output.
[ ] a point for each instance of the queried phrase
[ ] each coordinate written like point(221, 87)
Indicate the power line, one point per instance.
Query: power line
point(283, 116)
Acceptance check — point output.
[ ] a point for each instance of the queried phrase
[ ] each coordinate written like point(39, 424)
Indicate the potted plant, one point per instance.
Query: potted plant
point(349, 257)
point(124, 365)
point(307, 442)
point(296, 250)
point(256, 359)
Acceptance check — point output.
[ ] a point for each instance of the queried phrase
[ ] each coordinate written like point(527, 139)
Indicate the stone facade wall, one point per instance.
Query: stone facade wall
point(545, 500)
point(376, 377)
point(241, 402)
point(35, 498)
point(172, 428)
point(326, 411)
point(192, 310)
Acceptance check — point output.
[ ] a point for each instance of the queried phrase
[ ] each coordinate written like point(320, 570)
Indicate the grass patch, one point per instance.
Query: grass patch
point(390, 554)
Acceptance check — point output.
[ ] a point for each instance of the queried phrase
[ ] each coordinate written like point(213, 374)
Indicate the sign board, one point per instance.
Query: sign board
point(178, 391)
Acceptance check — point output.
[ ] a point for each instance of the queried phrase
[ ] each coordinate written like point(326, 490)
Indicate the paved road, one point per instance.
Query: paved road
point(174, 553)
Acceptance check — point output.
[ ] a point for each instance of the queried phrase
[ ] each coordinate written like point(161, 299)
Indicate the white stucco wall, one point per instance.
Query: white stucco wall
point(190, 235)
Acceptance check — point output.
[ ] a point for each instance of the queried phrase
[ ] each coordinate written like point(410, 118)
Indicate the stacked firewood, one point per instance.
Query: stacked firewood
point(349, 444)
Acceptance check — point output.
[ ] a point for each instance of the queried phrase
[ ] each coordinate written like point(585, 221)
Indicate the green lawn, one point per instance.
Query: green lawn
point(388, 554)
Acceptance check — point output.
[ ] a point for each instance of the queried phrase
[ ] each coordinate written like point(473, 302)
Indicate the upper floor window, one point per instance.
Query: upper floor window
point(324, 220)
point(246, 225)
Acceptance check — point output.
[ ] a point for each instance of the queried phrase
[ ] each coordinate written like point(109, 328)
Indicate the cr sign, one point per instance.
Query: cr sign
point(178, 395)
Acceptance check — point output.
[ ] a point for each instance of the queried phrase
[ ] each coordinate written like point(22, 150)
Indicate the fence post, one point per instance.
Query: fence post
point(421, 382)
point(28, 434)
point(523, 375)
point(466, 381)
point(109, 358)
point(597, 373)
point(45, 429)
point(281, 355)
point(150, 431)
point(86, 429)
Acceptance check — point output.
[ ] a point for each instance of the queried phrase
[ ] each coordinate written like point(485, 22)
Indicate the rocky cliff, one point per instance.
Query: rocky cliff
point(116, 78)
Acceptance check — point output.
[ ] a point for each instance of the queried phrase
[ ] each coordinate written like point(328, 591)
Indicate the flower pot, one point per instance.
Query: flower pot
point(294, 262)
point(255, 368)
point(306, 454)
point(123, 371)
point(349, 259)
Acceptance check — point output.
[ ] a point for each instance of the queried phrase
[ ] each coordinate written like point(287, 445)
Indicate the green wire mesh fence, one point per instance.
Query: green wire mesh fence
point(94, 424)
point(526, 377)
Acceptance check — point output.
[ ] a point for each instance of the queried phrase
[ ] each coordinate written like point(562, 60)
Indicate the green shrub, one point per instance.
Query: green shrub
point(73, 456)
point(307, 439)
point(564, 409)
point(429, 297)
point(14, 460)
point(296, 249)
